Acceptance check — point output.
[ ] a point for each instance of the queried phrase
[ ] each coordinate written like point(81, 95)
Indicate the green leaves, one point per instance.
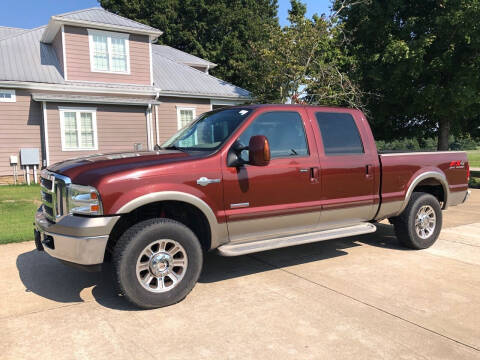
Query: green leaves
point(418, 63)
point(221, 31)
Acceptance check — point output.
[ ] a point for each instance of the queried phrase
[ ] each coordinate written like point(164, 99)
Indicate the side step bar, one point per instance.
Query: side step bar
point(269, 244)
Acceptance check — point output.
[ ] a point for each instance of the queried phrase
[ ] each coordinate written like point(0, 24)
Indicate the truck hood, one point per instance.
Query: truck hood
point(90, 169)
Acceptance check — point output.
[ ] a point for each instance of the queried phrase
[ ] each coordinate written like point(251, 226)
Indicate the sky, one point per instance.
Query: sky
point(29, 14)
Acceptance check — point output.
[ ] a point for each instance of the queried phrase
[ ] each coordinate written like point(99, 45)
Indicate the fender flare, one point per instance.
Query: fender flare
point(424, 176)
point(219, 233)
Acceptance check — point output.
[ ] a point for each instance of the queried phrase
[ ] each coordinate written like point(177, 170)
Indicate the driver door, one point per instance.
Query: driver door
point(283, 197)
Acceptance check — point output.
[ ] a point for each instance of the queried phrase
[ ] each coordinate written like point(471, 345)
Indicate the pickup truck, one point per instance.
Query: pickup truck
point(239, 180)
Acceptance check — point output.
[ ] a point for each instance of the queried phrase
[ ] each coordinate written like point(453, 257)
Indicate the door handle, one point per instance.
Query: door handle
point(314, 174)
point(203, 181)
point(369, 170)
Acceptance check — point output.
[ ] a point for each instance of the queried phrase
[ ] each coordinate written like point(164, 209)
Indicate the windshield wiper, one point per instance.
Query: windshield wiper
point(173, 147)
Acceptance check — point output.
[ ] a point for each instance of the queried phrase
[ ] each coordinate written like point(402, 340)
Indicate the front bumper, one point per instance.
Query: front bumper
point(76, 239)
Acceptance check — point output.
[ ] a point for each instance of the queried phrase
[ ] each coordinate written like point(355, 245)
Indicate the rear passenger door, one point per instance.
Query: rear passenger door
point(348, 168)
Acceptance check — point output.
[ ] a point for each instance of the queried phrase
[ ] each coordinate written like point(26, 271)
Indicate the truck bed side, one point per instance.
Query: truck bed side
point(444, 174)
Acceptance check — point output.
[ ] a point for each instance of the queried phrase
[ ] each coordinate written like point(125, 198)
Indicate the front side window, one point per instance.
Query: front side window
point(7, 95)
point(209, 131)
point(284, 131)
point(79, 129)
point(109, 52)
point(340, 134)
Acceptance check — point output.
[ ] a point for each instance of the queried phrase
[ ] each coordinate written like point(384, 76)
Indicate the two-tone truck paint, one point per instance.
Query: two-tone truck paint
point(239, 180)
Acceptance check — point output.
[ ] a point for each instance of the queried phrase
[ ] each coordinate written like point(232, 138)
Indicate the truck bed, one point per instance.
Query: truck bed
point(400, 170)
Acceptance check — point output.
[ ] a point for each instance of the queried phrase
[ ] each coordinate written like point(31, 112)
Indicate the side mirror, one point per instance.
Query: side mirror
point(258, 151)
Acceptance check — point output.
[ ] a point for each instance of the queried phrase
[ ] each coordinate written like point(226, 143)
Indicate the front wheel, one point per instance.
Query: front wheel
point(157, 262)
point(418, 227)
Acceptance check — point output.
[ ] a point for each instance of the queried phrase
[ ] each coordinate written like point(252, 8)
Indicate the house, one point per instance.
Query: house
point(91, 81)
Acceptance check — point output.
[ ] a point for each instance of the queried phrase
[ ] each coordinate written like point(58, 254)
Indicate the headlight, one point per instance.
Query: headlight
point(83, 200)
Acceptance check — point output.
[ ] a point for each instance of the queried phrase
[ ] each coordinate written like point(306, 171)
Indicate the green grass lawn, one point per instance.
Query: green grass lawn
point(18, 204)
point(474, 158)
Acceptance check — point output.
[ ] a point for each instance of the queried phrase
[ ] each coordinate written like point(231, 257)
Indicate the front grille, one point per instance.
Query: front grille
point(54, 195)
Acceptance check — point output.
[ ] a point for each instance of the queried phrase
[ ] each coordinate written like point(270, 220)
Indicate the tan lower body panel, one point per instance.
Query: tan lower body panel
point(235, 249)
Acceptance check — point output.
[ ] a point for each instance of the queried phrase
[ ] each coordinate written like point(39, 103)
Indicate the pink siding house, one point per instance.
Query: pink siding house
point(94, 82)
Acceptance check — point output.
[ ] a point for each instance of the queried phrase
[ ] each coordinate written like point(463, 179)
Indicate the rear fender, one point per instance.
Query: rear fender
point(424, 176)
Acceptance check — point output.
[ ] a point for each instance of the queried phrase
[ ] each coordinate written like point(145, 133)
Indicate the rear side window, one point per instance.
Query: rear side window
point(339, 133)
point(284, 131)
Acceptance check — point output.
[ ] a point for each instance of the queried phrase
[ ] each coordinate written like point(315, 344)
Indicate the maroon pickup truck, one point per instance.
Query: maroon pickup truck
point(239, 180)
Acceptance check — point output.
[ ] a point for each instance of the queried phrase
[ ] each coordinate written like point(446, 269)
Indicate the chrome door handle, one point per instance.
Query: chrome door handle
point(203, 181)
point(304, 170)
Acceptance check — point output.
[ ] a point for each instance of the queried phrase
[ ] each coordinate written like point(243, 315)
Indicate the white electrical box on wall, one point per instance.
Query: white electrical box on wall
point(13, 160)
point(29, 156)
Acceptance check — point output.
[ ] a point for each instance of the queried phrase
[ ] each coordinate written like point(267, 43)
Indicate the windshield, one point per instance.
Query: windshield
point(209, 131)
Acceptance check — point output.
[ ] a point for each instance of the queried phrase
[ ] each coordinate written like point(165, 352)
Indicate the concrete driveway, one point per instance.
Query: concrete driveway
point(363, 297)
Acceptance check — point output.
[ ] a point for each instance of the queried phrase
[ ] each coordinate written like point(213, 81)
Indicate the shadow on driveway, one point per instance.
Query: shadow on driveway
point(49, 278)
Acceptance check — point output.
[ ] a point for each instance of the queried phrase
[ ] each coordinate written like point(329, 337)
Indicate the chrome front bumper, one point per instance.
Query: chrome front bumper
point(77, 239)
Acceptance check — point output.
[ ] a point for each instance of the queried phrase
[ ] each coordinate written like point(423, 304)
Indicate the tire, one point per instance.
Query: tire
point(160, 248)
point(425, 209)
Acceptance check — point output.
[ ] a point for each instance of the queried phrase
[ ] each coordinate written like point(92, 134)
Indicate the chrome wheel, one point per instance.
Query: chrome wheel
point(161, 265)
point(425, 222)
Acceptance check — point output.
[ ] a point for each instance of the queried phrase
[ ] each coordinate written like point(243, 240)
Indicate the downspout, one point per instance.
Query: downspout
point(157, 133)
point(45, 133)
point(149, 127)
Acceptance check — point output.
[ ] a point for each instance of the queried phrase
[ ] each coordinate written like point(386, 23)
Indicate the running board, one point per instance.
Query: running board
point(269, 244)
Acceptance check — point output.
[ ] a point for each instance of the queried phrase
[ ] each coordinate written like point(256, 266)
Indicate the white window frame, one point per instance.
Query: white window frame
point(109, 35)
point(8, 91)
point(78, 110)
point(179, 119)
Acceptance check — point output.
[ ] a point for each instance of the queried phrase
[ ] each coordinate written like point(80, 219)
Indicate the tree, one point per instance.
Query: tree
point(302, 63)
point(420, 59)
point(220, 31)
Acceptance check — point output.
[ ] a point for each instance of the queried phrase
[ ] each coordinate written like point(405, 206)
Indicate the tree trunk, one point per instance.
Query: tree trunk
point(443, 132)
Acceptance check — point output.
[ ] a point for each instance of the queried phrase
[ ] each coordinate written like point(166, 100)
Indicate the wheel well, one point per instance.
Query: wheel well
point(432, 186)
point(183, 212)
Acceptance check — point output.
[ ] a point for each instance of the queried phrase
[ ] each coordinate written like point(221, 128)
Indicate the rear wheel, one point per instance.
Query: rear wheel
point(157, 262)
point(418, 227)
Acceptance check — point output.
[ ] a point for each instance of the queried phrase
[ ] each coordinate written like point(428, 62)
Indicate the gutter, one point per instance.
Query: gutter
point(73, 88)
point(157, 133)
point(206, 96)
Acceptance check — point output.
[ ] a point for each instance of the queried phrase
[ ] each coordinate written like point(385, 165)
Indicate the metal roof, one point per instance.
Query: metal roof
point(99, 15)
point(91, 99)
point(176, 78)
point(181, 56)
point(24, 58)
point(6, 31)
point(97, 18)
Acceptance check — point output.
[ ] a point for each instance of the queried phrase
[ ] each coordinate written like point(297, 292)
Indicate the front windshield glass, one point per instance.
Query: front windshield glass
point(209, 131)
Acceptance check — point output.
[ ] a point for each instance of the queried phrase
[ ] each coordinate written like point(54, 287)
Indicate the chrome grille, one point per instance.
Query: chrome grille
point(54, 195)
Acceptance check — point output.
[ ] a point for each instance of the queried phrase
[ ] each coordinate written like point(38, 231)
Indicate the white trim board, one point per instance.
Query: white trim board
point(64, 51)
